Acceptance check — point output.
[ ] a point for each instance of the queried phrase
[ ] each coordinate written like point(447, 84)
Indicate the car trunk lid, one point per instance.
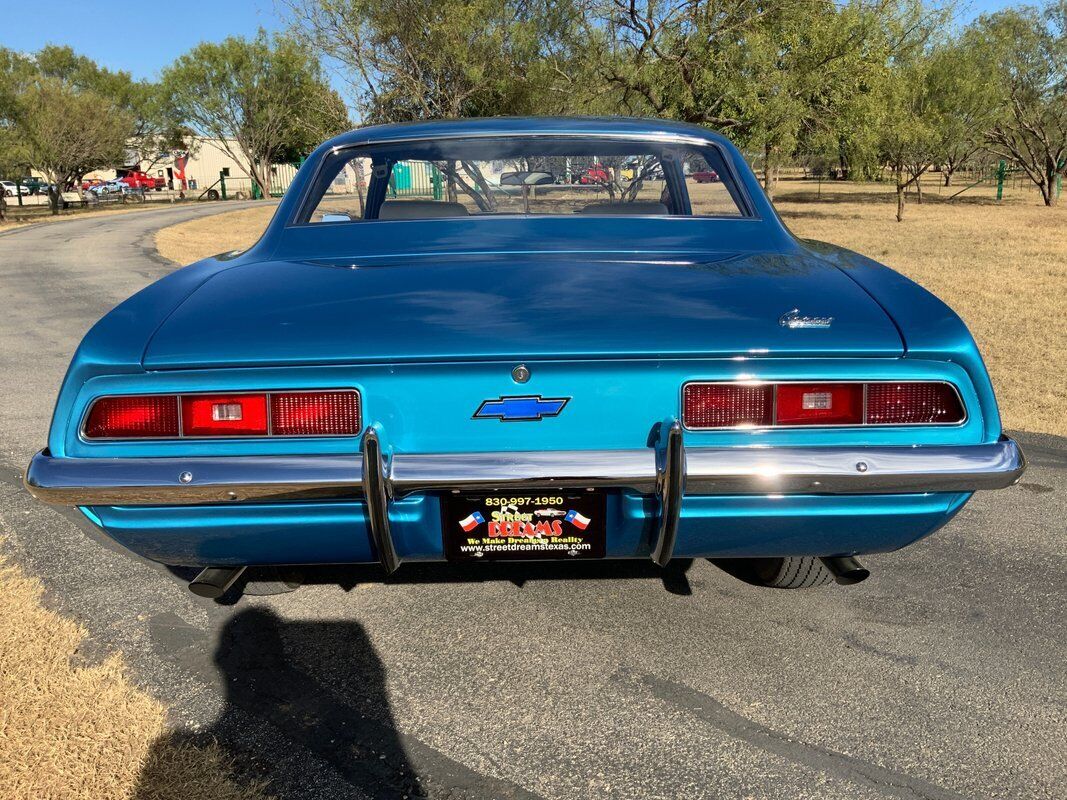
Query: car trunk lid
point(461, 308)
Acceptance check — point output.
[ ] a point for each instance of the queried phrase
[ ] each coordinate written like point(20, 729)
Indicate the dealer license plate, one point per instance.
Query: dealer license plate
point(505, 526)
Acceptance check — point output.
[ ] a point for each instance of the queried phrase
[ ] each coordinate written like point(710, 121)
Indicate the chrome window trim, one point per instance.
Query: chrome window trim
point(744, 214)
point(181, 437)
point(861, 425)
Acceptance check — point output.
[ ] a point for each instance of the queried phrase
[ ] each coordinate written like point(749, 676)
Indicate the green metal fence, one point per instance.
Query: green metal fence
point(415, 179)
point(281, 176)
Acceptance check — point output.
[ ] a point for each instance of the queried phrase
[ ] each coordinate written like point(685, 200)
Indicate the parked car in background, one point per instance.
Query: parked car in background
point(142, 180)
point(11, 189)
point(103, 188)
point(705, 176)
point(36, 185)
point(646, 376)
point(114, 186)
point(597, 173)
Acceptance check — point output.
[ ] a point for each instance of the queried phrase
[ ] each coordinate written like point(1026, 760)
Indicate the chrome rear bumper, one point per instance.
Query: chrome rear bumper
point(667, 469)
point(704, 471)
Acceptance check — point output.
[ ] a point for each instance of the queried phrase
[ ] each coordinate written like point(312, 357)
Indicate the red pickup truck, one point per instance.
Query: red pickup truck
point(142, 180)
point(705, 176)
point(597, 173)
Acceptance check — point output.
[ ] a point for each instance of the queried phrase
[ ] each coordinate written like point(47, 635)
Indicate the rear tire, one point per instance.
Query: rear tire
point(795, 572)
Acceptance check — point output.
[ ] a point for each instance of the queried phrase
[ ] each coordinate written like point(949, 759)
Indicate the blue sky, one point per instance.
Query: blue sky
point(134, 37)
point(140, 37)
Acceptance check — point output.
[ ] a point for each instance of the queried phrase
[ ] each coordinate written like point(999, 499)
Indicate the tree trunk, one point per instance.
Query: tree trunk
point(452, 172)
point(919, 190)
point(358, 167)
point(768, 178)
point(947, 175)
point(475, 173)
point(842, 162)
point(1048, 191)
point(53, 198)
point(262, 177)
point(900, 195)
point(3, 207)
point(450, 185)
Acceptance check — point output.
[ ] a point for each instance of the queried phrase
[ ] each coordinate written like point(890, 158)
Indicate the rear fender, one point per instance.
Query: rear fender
point(928, 327)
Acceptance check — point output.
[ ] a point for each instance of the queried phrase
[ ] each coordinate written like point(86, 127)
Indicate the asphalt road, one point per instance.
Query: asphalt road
point(943, 676)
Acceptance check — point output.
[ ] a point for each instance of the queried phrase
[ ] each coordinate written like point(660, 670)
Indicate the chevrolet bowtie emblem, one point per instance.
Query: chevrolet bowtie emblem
point(521, 409)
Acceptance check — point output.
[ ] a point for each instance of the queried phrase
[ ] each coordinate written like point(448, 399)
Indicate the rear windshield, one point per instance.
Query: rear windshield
point(449, 178)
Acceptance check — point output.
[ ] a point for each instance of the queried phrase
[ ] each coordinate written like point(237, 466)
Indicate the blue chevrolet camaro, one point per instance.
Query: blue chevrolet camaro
point(514, 339)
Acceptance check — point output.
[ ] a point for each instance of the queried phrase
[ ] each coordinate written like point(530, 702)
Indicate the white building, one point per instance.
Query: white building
point(205, 163)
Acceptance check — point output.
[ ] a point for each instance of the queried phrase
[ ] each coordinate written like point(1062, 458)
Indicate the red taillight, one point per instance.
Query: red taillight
point(314, 413)
point(819, 404)
point(739, 405)
point(321, 413)
point(145, 417)
point(721, 405)
point(224, 415)
point(913, 404)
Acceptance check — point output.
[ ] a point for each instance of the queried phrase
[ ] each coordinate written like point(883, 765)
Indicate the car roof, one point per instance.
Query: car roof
point(627, 127)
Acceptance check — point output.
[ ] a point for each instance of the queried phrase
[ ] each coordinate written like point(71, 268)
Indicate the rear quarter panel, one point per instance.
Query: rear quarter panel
point(929, 329)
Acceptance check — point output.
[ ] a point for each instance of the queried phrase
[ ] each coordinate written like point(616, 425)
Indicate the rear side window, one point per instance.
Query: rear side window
point(456, 178)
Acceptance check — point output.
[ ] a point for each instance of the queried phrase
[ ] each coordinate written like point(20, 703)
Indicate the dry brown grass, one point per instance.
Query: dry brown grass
point(84, 731)
point(1003, 268)
point(190, 241)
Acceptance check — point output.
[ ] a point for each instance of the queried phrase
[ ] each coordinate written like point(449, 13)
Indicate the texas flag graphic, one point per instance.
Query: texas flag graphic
point(472, 522)
point(577, 520)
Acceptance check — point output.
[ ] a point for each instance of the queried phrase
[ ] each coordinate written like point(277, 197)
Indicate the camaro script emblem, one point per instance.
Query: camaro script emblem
point(518, 409)
point(794, 319)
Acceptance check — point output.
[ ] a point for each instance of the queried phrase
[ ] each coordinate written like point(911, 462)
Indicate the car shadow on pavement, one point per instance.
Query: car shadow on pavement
point(290, 701)
point(305, 703)
point(276, 580)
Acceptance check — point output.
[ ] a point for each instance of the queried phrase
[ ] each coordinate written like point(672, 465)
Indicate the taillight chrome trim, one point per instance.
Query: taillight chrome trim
point(181, 437)
point(774, 405)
